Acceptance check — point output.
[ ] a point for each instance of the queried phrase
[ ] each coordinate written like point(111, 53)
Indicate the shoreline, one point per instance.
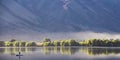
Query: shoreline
point(62, 47)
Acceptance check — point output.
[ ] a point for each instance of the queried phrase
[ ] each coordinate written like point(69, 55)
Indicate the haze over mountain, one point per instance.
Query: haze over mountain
point(35, 19)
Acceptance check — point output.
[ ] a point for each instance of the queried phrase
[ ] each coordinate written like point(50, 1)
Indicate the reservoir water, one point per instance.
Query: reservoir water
point(60, 53)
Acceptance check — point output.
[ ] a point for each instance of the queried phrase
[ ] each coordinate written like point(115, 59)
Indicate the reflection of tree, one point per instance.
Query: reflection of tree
point(2, 50)
point(72, 50)
point(14, 51)
point(105, 51)
point(60, 50)
point(63, 50)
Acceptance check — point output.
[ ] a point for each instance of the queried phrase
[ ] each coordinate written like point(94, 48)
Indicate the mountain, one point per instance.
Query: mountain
point(59, 16)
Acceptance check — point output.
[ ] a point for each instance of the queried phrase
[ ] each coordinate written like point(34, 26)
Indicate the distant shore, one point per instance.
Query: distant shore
point(49, 42)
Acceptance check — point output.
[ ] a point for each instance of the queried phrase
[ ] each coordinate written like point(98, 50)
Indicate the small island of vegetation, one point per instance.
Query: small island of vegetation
point(49, 42)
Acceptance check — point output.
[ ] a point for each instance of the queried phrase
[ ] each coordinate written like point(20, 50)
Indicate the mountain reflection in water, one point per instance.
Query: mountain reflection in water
point(62, 50)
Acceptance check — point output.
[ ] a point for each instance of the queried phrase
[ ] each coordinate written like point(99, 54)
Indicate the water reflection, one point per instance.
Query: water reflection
point(86, 50)
point(102, 51)
point(60, 50)
point(63, 50)
point(14, 51)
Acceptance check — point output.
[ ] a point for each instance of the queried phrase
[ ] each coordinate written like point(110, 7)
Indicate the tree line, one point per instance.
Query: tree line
point(48, 42)
point(15, 43)
point(89, 42)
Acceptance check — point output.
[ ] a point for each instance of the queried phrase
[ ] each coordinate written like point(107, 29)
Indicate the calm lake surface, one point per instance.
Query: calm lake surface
point(60, 53)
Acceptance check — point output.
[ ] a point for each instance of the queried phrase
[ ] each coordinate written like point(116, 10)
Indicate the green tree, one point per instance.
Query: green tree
point(2, 43)
point(13, 40)
point(46, 40)
point(23, 44)
point(33, 44)
point(56, 43)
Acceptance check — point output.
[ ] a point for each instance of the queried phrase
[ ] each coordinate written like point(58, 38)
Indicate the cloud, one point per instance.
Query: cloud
point(66, 3)
point(61, 35)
